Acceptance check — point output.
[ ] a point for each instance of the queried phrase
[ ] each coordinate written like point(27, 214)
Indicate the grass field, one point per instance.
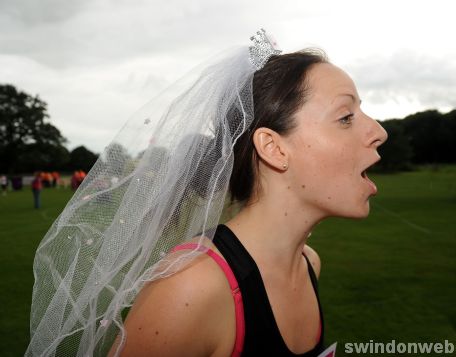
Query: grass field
point(391, 276)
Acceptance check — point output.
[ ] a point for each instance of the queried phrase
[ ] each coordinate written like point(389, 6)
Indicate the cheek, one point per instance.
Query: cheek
point(329, 158)
point(328, 169)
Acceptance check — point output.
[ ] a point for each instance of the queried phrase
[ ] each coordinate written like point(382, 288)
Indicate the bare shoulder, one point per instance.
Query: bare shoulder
point(174, 316)
point(313, 258)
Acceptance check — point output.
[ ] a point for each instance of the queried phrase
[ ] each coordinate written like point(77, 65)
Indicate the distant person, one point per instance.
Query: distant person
point(49, 179)
point(55, 178)
point(46, 178)
point(37, 186)
point(4, 184)
point(75, 180)
point(82, 175)
point(43, 178)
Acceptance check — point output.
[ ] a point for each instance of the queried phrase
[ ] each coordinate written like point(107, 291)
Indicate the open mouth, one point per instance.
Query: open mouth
point(368, 180)
point(364, 172)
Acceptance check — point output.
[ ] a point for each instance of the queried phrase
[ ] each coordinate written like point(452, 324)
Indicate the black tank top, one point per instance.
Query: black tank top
point(262, 335)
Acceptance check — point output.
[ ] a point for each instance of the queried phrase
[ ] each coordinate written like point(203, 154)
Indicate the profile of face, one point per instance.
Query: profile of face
point(332, 145)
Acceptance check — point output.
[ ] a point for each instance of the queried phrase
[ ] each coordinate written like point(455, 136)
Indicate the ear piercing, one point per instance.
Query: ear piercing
point(285, 166)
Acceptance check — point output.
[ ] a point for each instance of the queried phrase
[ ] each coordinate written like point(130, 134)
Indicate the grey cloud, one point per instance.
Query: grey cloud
point(428, 80)
point(33, 13)
point(62, 34)
point(119, 52)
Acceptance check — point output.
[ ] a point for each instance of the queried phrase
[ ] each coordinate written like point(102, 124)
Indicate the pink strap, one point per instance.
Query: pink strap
point(238, 305)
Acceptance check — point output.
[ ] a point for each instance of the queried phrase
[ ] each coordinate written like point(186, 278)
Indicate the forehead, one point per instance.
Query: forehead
point(328, 81)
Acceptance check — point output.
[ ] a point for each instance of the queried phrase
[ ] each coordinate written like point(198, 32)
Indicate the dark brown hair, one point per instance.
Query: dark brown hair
point(280, 88)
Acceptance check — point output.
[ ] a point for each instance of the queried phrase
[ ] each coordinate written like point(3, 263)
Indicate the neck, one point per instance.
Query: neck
point(274, 231)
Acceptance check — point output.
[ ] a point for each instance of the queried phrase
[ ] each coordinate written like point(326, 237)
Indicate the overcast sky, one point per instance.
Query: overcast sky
point(96, 62)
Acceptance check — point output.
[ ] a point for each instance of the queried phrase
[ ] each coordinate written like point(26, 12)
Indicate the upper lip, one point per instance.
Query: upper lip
point(370, 165)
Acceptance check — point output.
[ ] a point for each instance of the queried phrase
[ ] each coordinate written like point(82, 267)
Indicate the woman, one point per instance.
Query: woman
point(301, 146)
point(307, 159)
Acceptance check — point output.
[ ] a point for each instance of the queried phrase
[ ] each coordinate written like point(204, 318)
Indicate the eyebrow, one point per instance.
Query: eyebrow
point(348, 95)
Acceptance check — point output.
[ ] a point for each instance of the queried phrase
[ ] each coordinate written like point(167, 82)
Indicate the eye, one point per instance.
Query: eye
point(346, 120)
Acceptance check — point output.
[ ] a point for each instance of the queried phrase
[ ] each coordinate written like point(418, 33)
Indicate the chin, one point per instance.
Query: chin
point(354, 209)
point(364, 212)
point(361, 212)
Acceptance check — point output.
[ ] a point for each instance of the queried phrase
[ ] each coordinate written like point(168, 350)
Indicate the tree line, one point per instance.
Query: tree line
point(29, 142)
point(427, 137)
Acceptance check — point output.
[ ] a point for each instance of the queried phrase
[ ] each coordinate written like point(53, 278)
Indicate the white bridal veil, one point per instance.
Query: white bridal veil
point(162, 181)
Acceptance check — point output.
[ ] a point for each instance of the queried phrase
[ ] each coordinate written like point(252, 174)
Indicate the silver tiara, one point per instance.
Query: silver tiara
point(263, 48)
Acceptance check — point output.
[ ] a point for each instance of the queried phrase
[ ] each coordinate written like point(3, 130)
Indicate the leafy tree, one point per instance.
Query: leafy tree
point(82, 159)
point(427, 137)
point(447, 136)
point(39, 156)
point(115, 160)
point(432, 136)
point(397, 151)
point(25, 133)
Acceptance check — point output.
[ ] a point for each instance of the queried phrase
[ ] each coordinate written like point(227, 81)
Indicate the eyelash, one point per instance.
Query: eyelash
point(346, 120)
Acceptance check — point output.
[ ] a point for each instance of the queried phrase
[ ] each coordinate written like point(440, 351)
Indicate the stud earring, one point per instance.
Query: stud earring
point(285, 166)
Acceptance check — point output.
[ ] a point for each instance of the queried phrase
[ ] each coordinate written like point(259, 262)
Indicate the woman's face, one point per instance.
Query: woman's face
point(331, 147)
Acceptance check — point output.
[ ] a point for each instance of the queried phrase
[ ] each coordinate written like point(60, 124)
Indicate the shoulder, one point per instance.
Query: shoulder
point(314, 259)
point(175, 315)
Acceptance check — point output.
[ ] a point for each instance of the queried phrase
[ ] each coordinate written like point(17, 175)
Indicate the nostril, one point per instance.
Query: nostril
point(377, 142)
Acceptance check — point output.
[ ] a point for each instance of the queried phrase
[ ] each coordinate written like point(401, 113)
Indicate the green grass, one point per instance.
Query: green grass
point(393, 275)
point(21, 229)
point(390, 276)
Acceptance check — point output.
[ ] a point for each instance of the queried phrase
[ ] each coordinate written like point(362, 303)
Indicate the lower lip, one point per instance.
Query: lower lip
point(371, 184)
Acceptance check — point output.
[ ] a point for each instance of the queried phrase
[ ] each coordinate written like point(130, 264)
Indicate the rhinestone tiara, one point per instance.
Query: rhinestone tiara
point(262, 49)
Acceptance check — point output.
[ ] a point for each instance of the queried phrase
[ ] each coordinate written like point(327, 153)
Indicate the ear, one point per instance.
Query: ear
point(270, 148)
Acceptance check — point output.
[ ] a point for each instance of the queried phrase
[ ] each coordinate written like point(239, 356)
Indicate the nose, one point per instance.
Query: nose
point(377, 135)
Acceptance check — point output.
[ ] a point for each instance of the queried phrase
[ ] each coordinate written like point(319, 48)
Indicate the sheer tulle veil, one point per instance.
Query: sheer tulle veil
point(162, 181)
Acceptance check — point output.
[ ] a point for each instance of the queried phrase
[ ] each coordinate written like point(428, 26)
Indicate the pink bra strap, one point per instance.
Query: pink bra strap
point(238, 305)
